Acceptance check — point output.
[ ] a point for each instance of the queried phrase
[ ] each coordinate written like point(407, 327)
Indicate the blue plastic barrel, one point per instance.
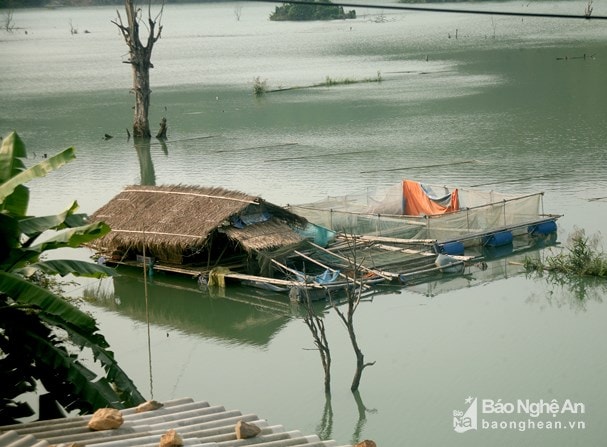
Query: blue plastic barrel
point(498, 239)
point(452, 248)
point(542, 228)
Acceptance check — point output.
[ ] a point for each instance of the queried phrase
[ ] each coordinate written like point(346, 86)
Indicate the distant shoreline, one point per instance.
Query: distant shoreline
point(18, 4)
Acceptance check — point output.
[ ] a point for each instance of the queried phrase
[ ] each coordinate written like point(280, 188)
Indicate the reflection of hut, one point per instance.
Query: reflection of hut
point(193, 226)
point(238, 317)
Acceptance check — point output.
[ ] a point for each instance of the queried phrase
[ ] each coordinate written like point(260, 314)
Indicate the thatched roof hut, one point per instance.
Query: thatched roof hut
point(187, 224)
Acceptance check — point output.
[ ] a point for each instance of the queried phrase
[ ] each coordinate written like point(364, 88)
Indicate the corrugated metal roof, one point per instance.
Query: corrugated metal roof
point(198, 423)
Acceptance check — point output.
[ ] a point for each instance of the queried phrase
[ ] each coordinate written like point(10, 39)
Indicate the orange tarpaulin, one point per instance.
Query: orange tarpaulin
point(417, 202)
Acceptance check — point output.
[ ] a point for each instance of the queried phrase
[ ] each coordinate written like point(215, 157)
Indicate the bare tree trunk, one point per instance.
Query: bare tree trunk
point(360, 358)
point(140, 59)
point(7, 21)
point(354, 295)
point(317, 328)
point(348, 320)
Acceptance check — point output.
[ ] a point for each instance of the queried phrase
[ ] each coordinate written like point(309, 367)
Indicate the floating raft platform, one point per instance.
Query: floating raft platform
point(198, 423)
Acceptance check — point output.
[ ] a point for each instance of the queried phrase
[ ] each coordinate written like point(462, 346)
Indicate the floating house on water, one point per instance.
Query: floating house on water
point(191, 230)
point(214, 235)
point(400, 234)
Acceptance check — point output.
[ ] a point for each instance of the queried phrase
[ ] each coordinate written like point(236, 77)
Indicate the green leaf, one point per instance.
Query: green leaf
point(34, 226)
point(67, 266)
point(68, 380)
point(73, 237)
point(31, 352)
point(97, 344)
point(20, 258)
point(9, 237)
point(11, 151)
point(36, 171)
point(17, 203)
point(26, 292)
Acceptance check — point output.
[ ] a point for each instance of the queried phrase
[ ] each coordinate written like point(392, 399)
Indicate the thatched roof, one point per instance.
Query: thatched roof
point(176, 218)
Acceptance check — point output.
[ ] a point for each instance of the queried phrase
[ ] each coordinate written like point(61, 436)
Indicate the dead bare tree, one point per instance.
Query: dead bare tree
point(140, 59)
point(238, 12)
point(588, 9)
point(317, 328)
point(7, 21)
point(73, 29)
point(353, 295)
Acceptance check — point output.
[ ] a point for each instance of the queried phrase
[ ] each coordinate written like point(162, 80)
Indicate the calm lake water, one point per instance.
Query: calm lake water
point(521, 101)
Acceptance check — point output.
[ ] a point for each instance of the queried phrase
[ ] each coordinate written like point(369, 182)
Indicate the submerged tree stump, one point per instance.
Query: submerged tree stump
point(162, 132)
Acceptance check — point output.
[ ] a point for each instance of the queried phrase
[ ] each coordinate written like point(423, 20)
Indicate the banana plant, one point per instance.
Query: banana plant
point(42, 336)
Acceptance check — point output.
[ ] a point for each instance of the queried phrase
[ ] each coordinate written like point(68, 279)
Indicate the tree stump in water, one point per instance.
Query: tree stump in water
point(162, 132)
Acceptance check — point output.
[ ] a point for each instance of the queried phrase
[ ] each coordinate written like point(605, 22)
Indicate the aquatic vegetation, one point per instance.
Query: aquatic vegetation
point(260, 86)
point(582, 256)
point(329, 82)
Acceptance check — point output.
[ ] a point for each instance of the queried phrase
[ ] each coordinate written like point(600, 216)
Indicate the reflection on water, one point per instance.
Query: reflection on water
point(324, 429)
point(362, 417)
point(498, 263)
point(569, 291)
point(146, 165)
point(234, 315)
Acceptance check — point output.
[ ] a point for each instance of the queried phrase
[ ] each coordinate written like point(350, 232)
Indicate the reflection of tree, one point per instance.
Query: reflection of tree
point(163, 145)
point(571, 290)
point(146, 165)
point(324, 430)
point(362, 416)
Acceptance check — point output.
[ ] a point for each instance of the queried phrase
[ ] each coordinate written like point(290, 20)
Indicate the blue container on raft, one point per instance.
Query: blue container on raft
point(542, 229)
point(454, 248)
point(498, 239)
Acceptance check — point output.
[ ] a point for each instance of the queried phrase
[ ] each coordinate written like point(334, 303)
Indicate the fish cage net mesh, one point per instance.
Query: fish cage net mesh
point(381, 213)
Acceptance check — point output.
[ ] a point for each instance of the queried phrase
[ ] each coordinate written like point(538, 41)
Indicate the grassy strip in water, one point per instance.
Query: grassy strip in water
point(260, 86)
point(582, 257)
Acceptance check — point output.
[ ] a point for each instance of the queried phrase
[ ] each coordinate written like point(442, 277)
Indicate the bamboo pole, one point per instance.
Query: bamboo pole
point(385, 275)
point(431, 269)
point(395, 240)
point(195, 194)
point(295, 272)
point(263, 279)
point(358, 283)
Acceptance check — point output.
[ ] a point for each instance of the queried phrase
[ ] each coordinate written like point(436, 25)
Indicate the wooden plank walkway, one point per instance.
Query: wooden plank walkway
point(198, 423)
